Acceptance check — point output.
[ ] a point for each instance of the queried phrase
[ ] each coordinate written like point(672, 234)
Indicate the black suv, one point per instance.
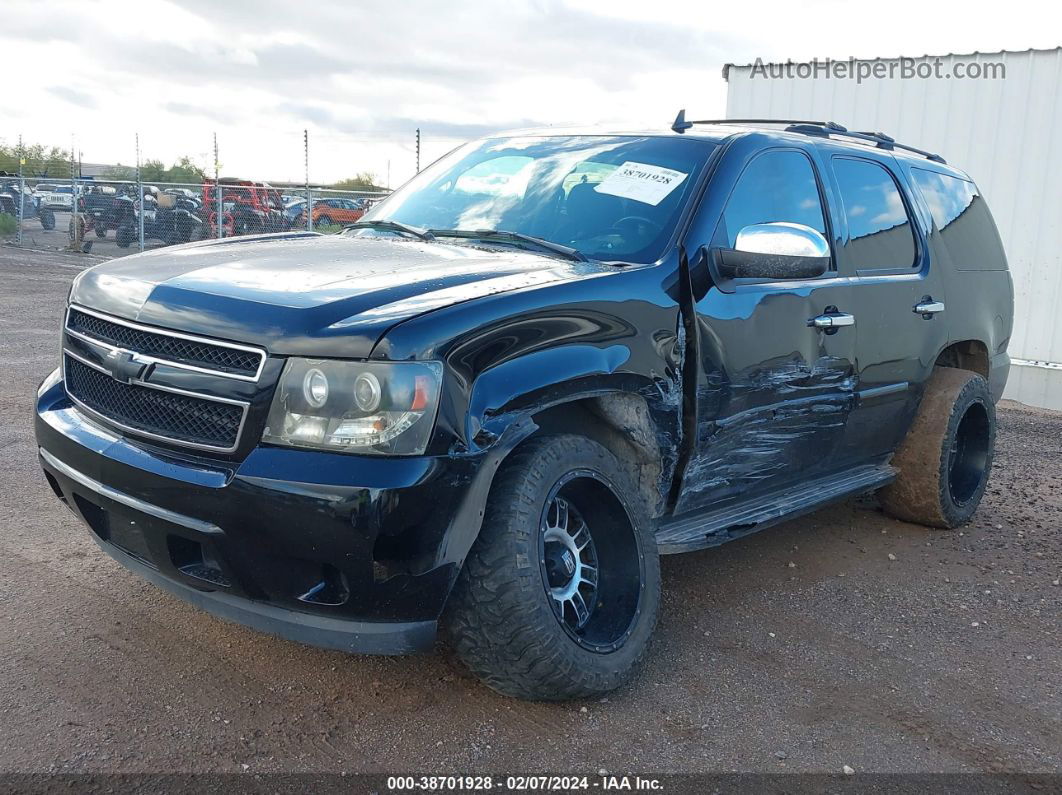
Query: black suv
point(548, 359)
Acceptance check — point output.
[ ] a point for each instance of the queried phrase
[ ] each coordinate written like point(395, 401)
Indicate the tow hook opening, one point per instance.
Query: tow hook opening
point(196, 561)
point(332, 588)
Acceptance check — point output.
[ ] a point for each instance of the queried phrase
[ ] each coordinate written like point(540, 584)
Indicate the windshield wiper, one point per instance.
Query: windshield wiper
point(394, 226)
point(514, 237)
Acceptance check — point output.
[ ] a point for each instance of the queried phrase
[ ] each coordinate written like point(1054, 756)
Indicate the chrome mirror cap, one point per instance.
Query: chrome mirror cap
point(782, 238)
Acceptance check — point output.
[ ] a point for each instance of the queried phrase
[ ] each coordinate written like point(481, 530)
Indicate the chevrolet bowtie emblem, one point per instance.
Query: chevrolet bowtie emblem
point(126, 367)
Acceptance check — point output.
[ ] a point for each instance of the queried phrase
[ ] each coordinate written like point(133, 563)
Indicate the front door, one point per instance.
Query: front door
point(774, 391)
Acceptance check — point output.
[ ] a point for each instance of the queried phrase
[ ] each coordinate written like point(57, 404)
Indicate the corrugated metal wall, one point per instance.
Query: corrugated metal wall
point(1005, 133)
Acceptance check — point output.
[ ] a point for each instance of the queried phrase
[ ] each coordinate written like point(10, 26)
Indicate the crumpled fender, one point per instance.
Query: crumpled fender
point(538, 380)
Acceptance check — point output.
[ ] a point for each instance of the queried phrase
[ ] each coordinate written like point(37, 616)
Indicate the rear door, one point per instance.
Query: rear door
point(883, 250)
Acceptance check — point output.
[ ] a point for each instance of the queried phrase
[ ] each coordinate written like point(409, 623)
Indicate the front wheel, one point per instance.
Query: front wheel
point(76, 233)
point(559, 595)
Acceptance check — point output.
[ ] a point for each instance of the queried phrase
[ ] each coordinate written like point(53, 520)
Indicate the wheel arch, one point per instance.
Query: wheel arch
point(621, 423)
point(621, 420)
point(969, 355)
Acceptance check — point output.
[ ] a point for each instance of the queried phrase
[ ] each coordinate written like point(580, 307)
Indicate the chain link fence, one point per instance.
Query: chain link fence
point(50, 198)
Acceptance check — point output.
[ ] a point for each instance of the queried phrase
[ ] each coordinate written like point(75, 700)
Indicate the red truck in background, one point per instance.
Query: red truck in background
point(248, 207)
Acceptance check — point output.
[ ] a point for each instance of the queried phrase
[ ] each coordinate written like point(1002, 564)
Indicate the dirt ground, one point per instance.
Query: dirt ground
point(842, 638)
point(58, 239)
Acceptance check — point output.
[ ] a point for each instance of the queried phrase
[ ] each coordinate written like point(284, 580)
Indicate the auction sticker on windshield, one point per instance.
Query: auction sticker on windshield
point(642, 182)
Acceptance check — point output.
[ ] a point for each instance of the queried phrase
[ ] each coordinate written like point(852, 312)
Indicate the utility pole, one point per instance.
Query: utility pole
point(140, 196)
point(306, 167)
point(21, 192)
point(219, 210)
point(75, 238)
point(418, 150)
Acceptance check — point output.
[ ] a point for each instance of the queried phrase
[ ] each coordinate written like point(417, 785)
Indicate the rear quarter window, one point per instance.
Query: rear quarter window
point(962, 223)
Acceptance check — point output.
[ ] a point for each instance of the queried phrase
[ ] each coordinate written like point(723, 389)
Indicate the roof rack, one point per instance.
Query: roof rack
point(681, 124)
point(821, 128)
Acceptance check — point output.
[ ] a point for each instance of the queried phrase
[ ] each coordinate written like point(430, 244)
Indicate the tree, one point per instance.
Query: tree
point(183, 170)
point(41, 161)
point(54, 163)
point(364, 180)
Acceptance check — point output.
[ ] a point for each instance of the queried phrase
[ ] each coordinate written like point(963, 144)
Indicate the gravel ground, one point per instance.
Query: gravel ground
point(842, 638)
point(58, 239)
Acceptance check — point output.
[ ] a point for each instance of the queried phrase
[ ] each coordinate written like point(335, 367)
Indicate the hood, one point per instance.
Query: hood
point(308, 294)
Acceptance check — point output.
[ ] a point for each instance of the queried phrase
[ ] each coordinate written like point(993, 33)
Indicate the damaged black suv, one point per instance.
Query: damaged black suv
point(493, 402)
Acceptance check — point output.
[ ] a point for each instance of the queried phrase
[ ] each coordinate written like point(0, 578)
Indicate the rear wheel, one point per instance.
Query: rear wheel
point(945, 459)
point(324, 220)
point(559, 595)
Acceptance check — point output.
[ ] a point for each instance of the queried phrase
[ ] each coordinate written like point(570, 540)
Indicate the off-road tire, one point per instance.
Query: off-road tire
point(500, 618)
point(928, 489)
point(101, 231)
point(124, 235)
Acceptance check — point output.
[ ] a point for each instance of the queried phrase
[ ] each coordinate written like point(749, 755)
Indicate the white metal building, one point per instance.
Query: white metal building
point(1005, 131)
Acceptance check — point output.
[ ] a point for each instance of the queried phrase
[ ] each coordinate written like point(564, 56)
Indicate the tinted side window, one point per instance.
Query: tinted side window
point(880, 236)
point(961, 221)
point(776, 186)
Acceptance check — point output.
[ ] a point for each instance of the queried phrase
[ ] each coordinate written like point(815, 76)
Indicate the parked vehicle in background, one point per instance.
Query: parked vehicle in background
point(247, 208)
point(174, 218)
point(332, 212)
point(170, 218)
point(56, 197)
point(293, 210)
point(496, 399)
point(186, 193)
point(100, 210)
point(11, 199)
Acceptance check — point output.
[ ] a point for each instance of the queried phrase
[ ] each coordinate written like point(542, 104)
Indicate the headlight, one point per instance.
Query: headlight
point(358, 407)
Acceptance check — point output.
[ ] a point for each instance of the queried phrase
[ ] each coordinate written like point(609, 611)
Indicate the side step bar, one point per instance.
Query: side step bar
point(716, 526)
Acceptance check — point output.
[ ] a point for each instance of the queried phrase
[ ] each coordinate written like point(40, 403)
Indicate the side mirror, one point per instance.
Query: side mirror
point(777, 250)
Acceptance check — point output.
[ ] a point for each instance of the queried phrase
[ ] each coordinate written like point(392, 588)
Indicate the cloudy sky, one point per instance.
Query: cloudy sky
point(362, 76)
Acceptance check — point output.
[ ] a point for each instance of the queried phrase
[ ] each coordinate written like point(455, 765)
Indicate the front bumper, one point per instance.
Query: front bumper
point(339, 551)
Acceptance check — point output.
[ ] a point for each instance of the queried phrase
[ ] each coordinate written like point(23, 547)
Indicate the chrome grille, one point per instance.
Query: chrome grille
point(182, 350)
point(155, 411)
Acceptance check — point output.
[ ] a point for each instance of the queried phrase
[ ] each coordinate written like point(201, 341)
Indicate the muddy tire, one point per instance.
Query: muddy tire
point(945, 459)
point(559, 595)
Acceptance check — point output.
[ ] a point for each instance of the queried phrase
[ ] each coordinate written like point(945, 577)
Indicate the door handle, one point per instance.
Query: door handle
point(831, 320)
point(927, 307)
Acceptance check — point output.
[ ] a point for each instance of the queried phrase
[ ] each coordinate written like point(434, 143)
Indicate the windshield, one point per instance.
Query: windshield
point(607, 197)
